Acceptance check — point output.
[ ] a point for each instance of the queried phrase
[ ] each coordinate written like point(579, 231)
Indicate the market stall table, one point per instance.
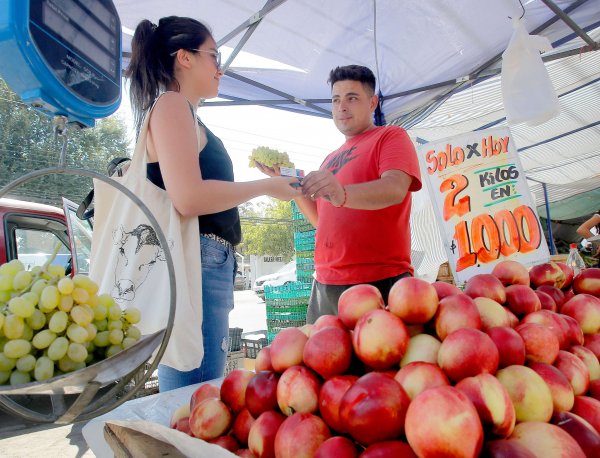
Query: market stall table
point(150, 415)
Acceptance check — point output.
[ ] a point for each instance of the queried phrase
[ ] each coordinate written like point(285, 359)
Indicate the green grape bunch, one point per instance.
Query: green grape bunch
point(269, 157)
point(51, 324)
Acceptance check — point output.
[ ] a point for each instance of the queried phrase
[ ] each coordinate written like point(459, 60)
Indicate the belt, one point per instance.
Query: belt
point(221, 240)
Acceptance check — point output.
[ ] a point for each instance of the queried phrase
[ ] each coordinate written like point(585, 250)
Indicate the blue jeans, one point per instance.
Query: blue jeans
point(218, 274)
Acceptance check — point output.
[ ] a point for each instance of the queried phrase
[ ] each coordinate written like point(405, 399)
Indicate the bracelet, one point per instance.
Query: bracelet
point(345, 197)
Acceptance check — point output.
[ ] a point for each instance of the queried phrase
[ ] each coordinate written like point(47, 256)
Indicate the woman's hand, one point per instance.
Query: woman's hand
point(281, 188)
point(270, 171)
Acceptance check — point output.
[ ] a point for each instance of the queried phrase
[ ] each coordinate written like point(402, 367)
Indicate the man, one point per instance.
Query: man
point(360, 199)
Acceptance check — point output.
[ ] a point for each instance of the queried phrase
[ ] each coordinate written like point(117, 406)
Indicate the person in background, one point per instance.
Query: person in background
point(585, 230)
point(360, 198)
point(174, 65)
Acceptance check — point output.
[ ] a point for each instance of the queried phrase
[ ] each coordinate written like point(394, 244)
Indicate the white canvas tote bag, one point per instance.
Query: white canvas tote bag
point(128, 262)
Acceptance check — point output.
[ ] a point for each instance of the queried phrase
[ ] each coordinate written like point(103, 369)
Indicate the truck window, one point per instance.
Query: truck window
point(34, 247)
point(80, 235)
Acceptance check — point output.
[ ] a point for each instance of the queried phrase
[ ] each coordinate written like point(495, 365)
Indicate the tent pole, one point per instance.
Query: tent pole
point(379, 116)
point(548, 221)
point(571, 23)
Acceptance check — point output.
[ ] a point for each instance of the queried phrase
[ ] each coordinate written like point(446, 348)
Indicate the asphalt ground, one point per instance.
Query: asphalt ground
point(20, 438)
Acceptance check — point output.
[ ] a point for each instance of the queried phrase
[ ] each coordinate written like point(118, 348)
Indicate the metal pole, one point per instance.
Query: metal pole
point(548, 222)
point(571, 23)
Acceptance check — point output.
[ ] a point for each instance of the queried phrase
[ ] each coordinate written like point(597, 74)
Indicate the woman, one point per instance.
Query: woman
point(585, 230)
point(174, 65)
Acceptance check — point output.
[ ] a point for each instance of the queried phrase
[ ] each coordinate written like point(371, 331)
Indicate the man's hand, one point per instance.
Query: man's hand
point(322, 183)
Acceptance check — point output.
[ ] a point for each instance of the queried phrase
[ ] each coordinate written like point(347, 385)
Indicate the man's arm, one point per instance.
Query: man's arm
point(390, 189)
point(308, 209)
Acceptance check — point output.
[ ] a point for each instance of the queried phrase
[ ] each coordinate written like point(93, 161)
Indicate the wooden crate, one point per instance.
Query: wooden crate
point(559, 257)
point(445, 273)
point(235, 360)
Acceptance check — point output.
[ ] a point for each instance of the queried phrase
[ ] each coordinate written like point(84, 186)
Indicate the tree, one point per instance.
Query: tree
point(267, 229)
point(27, 144)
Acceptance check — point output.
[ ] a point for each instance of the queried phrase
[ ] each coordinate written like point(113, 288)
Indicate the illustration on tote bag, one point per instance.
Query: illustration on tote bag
point(142, 247)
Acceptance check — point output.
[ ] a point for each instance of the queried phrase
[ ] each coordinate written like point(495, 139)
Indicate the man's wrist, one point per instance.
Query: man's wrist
point(344, 201)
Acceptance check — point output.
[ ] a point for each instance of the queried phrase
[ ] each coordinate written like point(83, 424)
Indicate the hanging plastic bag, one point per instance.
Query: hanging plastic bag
point(527, 91)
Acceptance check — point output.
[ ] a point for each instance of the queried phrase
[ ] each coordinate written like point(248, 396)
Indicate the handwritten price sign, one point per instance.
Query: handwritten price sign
point(482, 202)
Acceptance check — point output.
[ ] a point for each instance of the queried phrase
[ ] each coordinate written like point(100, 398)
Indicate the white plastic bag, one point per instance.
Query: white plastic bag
point(527, 91)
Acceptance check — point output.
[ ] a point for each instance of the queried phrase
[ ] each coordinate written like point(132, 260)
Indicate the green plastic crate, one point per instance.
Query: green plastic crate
point(304, 241)
point(275, 326)
point(306, 254)
point(302, 225)
point(287, 312)
point(296, 213)
point(305, 263)
point(286, 306)
point(290, 291)
point(305, 276)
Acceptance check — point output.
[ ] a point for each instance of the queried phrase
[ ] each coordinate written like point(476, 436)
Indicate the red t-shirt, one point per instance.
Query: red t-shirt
point(358, 246)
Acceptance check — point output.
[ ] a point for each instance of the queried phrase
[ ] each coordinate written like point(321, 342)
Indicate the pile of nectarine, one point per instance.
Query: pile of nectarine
point(506, 368)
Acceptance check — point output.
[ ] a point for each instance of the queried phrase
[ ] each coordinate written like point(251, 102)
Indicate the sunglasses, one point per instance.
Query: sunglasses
point(216, 55)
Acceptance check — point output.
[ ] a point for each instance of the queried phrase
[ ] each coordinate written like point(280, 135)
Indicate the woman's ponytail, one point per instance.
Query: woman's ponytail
point(143, 71)
point(151, 68)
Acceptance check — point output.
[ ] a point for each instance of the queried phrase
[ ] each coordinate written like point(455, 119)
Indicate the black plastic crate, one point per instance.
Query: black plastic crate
point(251, 347)
point(235, 339)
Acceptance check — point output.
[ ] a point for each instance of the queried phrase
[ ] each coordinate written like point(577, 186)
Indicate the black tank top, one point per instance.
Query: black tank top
point(215, 164)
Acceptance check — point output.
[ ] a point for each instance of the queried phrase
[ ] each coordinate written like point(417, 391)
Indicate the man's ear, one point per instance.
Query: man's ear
point(374, 101)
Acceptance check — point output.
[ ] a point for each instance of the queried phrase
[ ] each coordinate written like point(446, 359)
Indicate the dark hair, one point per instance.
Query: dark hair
point(151, 68)
point(353, 73)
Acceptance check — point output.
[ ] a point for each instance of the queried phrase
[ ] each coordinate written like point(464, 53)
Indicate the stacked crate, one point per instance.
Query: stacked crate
point(235, 354)
point(304, 245)
point(287, 304)
point(286, 307)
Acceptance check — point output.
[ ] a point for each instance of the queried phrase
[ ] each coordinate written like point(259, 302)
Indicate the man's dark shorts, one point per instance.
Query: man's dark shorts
point(324, 298)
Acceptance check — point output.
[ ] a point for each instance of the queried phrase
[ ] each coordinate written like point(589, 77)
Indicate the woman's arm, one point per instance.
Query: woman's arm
point(172, 140)
point(307, 206)
point(585, 229)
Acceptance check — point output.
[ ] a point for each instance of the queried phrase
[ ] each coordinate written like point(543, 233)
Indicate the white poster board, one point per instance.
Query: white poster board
point(482, 203)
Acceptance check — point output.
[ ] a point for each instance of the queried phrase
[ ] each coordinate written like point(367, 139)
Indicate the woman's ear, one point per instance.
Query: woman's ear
point(184, 58)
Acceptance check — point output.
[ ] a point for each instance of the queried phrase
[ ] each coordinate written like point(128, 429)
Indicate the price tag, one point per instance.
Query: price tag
point(482, 202)
point(291, 172)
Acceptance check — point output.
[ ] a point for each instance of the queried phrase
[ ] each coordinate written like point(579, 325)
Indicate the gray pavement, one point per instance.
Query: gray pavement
point(33, 441)
point(19, 438)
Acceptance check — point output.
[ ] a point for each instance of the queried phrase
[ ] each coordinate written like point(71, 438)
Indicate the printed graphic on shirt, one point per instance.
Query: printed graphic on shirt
point(339, 160)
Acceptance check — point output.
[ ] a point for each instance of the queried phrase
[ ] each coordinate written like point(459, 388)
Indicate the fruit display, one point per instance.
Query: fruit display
point(51, 324)
point(506, 368)
point(269, 157)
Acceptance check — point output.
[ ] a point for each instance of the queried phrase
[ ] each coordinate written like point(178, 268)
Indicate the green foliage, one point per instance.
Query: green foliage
point(267, 229)
point(27, 144)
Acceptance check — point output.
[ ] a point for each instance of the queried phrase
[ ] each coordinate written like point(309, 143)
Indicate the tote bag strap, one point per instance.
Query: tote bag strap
point(138, 160)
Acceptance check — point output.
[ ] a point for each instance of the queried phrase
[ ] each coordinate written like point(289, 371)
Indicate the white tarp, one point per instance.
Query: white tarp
point(408, 43)
point(443, 46)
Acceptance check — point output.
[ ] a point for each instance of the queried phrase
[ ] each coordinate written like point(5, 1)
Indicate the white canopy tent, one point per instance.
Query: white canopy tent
point(437, 64)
